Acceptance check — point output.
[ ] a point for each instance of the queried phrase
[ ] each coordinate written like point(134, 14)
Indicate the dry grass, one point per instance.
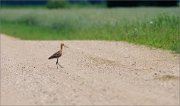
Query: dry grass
point(167, 77)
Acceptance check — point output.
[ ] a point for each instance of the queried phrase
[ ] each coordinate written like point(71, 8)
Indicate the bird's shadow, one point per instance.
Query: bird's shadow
point(55, 68)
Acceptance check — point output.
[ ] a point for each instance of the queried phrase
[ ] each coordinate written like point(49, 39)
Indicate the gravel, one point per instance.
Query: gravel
point(94, 73)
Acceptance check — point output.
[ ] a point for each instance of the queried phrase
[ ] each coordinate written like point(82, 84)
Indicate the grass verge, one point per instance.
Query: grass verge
point(160, 30)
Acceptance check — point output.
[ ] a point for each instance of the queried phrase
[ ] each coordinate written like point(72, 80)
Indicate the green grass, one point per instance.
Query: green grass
point(154, 27)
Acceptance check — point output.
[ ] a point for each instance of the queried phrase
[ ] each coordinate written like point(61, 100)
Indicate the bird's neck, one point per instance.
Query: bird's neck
point(61, 48)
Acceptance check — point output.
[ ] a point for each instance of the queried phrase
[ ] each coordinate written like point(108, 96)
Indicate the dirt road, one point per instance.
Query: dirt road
point(94, 73)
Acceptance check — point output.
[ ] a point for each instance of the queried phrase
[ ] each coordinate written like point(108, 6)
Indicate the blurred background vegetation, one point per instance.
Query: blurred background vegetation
point(85, 3)
point(155, 24)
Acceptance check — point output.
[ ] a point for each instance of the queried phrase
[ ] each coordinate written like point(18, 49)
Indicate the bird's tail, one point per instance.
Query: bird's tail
point(50, 57)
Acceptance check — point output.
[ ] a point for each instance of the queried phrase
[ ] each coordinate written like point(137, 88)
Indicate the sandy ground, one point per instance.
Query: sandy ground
point(94, 73)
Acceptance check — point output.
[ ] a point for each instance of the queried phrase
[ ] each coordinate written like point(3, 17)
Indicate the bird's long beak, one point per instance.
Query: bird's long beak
point(66, 46)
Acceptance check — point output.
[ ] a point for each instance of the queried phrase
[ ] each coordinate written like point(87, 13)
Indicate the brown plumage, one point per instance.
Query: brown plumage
point(58, 54)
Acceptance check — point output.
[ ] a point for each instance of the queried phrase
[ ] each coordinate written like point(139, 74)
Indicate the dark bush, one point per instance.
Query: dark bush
point(132, 3)
point(53, 4)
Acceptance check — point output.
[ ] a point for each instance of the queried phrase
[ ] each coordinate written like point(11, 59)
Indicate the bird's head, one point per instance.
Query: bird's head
point(62, 44)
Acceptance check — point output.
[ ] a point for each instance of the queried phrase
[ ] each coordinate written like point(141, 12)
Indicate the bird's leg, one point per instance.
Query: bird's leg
point(57, 63)
point(60, 65)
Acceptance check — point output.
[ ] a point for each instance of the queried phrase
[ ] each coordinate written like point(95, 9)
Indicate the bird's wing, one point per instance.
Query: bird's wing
point(55, 55)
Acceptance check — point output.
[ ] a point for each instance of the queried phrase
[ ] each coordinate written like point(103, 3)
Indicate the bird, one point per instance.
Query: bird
point(58, 54)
